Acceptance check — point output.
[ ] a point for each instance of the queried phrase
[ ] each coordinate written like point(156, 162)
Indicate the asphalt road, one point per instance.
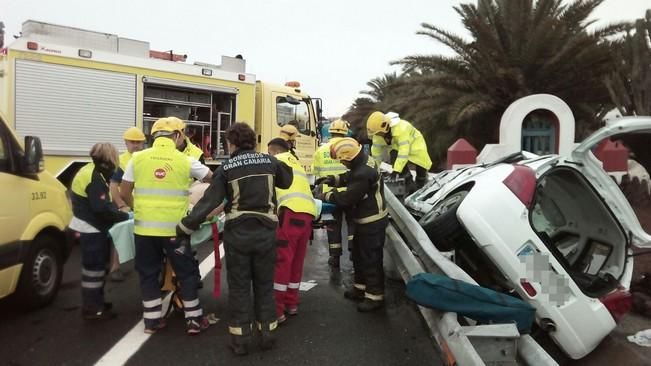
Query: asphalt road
point(328, 330)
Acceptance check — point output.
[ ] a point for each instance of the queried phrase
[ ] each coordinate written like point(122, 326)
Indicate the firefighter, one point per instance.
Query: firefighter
point(94, 214)
point(365, 195)
point(134, 140)
point(289, 133)
point(296, 211)
point(246, 180)
point(323, 166)
point(156, 181)
point(406, 145)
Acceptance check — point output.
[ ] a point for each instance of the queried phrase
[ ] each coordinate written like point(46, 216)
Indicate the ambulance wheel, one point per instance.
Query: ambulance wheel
point(41, 274)
point(442, 226)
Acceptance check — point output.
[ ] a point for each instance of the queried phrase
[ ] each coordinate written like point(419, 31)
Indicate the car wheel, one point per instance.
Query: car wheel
point(41, 274)
point(443, 227)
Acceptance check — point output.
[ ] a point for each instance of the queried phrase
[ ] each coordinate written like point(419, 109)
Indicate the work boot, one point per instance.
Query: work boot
point(117, 276)
point(333, 262)
point(196, 326)
point(238, 345)
point(267, 340)
point(103, 314)
point(292, 310)
point(354, 294)
point(158, 325)
point(369, 305)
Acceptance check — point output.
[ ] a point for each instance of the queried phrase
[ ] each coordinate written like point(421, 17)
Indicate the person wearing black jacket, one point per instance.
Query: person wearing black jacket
point(364, 194)
point(94, 214)
point(247, 182)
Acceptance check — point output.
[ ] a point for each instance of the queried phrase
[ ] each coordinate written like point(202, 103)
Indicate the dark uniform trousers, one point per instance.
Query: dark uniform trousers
point(421, 174)
point(250, 250)
point(149, 263)
point(95, 255)
point(368, 256)
point(334, 229)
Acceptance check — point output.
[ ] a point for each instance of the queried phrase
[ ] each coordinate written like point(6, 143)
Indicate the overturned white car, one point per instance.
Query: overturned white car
point(556, 230)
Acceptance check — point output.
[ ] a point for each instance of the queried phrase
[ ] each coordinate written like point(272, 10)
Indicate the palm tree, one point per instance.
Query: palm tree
point(629, 84)
point(517, 48)
point(381, 86)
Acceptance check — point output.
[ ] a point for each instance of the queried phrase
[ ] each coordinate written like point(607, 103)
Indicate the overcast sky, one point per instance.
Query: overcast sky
point(333, 47)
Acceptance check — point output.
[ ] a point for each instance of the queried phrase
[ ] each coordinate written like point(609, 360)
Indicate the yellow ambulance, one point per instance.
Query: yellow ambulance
point(34, 212)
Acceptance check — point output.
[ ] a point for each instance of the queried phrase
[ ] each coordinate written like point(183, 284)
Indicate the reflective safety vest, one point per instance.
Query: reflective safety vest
point(124, 160)
point(192, 150)
point(408, 142)
point(160, 188)
point(323, 165)
point(82, 179)
point(298, 197)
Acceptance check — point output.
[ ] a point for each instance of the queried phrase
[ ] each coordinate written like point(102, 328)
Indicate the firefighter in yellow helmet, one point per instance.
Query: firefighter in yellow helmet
point(134, 140)
point(296, 211)
point(322, 166)
point(155, 183)
point(289, 133)
point(404, 143)
point(364, 194)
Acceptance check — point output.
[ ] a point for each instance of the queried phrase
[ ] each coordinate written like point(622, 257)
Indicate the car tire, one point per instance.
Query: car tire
point(41, 274)
point(443, 227)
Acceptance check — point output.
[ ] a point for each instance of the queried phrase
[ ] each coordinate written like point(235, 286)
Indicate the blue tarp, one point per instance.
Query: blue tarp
point(475, 302)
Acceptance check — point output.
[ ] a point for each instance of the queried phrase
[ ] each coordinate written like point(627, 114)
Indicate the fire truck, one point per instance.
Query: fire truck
point(74, 87)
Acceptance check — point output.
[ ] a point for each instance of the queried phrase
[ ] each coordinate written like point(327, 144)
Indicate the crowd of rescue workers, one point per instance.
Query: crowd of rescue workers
point(268, 204)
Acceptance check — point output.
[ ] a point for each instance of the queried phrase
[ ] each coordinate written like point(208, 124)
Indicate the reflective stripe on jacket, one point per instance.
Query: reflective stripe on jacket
point(91, 199)
point(247, 181)
point(160, 188)
point(364, 193)
point(323, 165)
point(298, 197)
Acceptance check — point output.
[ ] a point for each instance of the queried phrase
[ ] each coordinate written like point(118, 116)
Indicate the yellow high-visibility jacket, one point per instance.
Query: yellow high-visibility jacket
point(408, 142)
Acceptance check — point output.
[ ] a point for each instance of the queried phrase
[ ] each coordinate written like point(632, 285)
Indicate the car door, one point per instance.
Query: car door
point(584, 160)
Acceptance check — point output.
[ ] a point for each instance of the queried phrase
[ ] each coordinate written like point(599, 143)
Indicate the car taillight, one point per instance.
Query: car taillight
point(528, 288)
point(522, 182)
point(618, 303)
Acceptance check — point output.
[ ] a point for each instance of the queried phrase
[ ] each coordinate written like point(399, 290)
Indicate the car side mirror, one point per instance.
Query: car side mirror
point(33, 158)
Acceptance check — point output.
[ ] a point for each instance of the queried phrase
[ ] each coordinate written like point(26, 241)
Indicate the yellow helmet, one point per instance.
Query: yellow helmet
point(377, 122)
point(133, 134)
point(339, 126)
point(345, 149)
point(288, 132)
point(167, 125)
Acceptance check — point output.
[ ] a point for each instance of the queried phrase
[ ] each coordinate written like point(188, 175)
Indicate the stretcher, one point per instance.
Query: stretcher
point(123, 240)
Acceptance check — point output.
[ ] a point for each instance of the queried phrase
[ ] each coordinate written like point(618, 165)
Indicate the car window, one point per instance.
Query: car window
point(293, 113)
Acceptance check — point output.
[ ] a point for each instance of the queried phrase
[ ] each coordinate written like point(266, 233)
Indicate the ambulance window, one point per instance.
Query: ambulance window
point(293, 112)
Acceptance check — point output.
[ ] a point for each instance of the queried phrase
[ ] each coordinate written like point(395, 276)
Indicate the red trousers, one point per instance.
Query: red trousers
point(294, 230)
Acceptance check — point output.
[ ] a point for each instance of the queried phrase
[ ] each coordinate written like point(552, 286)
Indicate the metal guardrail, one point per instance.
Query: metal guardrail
point(417, 254)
